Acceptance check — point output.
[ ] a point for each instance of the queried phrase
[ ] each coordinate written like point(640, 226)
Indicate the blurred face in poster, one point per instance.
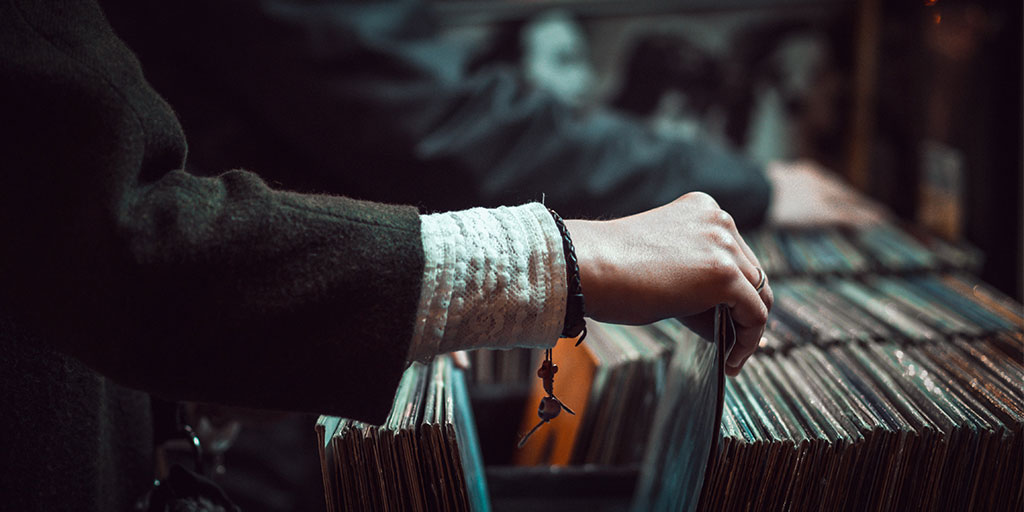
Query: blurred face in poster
point(555, 57)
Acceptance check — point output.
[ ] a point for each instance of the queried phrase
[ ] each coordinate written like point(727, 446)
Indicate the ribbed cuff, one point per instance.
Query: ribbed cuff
point(493, 278)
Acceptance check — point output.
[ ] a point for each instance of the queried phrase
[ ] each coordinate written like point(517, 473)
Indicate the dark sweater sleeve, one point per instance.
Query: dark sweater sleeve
point(202, 288)
point(335, 82)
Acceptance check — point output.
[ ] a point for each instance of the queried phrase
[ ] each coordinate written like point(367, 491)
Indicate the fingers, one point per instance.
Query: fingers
point(726, 220)
point(748, 262)
point(750, 306)
point(754, 274)
point(749, 314)
point(765, 293)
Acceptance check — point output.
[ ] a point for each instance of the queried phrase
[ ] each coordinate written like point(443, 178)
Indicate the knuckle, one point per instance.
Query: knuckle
point(721, 238)
point(702, 199)
point(725, 219)
point(722, 268)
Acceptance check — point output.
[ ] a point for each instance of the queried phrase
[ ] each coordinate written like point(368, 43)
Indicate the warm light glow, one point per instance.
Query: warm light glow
point(937, 17)
point(929, 3)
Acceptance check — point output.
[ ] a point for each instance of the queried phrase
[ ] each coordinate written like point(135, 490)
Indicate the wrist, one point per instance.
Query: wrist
point(594, 264)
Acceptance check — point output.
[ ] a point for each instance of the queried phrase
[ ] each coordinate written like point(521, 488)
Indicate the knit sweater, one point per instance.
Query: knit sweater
point(120, 269)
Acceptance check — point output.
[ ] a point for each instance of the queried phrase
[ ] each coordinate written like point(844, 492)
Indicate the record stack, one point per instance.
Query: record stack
point(871, 392)
point(424, 457)
point(882, 248)
point(869, 427)
point(612, 383)
point(502, 367)
point(888, 378)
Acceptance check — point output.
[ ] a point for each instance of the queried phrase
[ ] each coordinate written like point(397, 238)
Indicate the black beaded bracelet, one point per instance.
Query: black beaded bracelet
point(574, 325)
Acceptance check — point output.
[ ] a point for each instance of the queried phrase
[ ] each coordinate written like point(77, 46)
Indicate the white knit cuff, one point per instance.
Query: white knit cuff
point(493, 278)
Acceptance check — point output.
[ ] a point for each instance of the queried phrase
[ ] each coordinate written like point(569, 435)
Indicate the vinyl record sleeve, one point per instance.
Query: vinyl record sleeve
point(684, 439)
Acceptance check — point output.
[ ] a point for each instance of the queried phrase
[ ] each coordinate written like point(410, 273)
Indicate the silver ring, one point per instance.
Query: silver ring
point(761, 280)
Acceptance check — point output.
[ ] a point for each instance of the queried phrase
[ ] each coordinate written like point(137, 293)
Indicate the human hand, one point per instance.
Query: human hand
point(679, 260)
point(804, 194)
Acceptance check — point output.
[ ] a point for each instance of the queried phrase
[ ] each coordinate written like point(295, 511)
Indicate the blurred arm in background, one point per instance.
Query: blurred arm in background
point(330, 86)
